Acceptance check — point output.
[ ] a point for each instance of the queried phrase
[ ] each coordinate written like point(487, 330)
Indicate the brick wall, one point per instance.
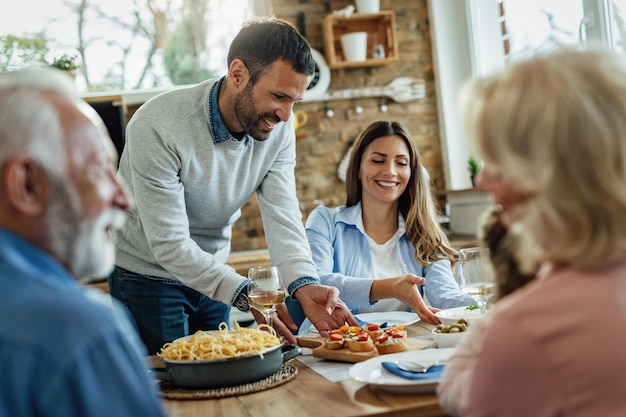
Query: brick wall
point(324, 141)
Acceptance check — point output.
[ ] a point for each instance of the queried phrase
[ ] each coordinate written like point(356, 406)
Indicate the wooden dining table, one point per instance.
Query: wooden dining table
point(310, 394)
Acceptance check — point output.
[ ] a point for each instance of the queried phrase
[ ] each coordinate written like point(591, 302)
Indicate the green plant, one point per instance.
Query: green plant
point(65, 63)
point(17, 52)
point(474, 165)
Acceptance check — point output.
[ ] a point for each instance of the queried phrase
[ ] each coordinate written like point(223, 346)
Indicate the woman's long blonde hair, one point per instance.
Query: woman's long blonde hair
point(416, 204)
point(554, 129)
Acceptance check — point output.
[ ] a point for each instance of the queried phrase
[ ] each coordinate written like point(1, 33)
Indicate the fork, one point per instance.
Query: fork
point(417, 367)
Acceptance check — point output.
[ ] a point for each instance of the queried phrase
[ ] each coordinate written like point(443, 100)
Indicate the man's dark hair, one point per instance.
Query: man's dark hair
point(264, 40)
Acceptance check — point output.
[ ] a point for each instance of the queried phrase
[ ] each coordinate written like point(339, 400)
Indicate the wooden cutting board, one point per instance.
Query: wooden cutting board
point(347, 355)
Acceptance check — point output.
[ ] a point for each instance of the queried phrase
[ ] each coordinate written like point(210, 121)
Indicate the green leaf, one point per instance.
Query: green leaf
point(65, 63)
point(474, 164)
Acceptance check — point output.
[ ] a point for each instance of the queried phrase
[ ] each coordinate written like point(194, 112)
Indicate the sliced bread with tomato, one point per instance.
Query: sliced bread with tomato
point(359, 342)
point(390, 343)
point(396, 332)
point(334, 340)
point(373, 330)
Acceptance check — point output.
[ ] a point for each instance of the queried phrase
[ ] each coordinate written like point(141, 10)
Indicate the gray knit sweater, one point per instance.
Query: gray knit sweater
point(188, 178)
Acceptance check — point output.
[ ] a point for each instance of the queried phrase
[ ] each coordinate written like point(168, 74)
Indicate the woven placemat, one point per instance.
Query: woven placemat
point(285, 374)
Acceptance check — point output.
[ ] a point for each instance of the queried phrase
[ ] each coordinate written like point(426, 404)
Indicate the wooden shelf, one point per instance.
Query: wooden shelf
point(380, 25)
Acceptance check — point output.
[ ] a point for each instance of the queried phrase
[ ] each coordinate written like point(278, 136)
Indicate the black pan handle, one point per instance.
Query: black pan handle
point(290, 352)
point(160, 373)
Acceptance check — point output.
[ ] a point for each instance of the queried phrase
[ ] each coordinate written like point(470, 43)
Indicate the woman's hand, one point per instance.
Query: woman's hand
point(404, 288)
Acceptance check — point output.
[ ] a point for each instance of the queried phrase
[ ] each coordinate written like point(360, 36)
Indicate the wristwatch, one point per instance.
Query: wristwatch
point(241, 301)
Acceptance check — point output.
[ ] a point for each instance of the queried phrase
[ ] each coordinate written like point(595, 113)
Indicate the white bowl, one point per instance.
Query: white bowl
point(447, 340)
point(452, 315)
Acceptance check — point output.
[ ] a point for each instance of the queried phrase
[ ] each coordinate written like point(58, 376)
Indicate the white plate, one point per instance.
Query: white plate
point(371, 371)
point(452, 315)
point(393, 318)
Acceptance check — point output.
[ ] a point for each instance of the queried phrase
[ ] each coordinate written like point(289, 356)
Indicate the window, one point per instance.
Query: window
point(123, 44)
point(475, 37)
point(537, 25)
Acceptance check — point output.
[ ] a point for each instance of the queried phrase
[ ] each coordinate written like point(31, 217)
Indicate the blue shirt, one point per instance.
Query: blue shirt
point(342, 255)
point(65, 351)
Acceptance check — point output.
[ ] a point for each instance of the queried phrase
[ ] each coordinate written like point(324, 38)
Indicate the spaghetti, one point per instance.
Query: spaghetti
point(206, 345)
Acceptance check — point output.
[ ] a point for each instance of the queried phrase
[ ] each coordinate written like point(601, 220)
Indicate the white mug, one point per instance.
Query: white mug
point(354, 46)
point(368, 6)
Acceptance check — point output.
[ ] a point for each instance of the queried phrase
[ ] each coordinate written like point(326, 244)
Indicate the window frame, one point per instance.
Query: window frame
point(467, 42)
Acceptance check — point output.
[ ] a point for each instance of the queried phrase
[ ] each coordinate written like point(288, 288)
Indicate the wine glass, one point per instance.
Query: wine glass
point(265, 290)
point(475, 277)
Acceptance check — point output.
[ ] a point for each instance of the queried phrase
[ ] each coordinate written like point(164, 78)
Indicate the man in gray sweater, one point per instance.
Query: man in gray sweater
point(192, 158)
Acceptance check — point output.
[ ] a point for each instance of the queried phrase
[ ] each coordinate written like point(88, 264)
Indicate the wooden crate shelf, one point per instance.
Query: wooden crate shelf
point(377, 25)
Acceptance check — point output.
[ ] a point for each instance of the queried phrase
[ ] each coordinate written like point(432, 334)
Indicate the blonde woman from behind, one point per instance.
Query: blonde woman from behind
point(551, 133)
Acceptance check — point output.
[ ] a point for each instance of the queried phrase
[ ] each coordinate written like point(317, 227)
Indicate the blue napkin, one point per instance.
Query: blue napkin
point(433, 373)
point(361, 322)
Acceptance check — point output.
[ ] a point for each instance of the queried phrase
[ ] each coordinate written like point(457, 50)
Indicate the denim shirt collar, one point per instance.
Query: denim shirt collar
point(353, 215)
point(218, 129)
point(23, 256)
point(349, 215)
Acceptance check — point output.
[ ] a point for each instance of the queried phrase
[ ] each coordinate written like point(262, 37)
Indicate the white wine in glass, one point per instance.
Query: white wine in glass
point(266, 290)
point(475, 277)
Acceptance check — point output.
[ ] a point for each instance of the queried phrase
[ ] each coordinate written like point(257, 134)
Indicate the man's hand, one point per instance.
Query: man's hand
point(322, 306)
point(281, 322)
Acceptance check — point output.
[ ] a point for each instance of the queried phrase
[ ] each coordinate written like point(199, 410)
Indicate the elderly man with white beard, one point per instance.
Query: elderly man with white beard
point(63, 351)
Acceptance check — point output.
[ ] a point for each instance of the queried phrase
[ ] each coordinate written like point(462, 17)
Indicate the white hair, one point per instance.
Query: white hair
point(29, 121)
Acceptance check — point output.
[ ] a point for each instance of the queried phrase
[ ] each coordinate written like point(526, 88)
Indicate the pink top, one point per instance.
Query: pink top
point(554, 348)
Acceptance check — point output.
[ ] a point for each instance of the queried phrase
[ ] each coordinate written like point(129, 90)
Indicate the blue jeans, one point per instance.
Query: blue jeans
point(164, 309)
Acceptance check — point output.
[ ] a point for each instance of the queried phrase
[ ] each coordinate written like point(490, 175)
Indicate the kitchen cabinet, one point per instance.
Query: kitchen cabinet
point(116, 109)
point(112, 110)
point(380, 30)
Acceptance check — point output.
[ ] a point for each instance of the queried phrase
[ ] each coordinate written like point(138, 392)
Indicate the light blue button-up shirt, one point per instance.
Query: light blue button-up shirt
point(341, 253)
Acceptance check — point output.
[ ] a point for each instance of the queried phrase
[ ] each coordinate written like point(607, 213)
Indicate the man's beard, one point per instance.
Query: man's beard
point(247, 116)
point(83, 247)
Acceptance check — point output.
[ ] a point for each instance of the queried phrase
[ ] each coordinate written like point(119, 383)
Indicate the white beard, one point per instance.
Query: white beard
point(84, 248)
point(94, 252)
